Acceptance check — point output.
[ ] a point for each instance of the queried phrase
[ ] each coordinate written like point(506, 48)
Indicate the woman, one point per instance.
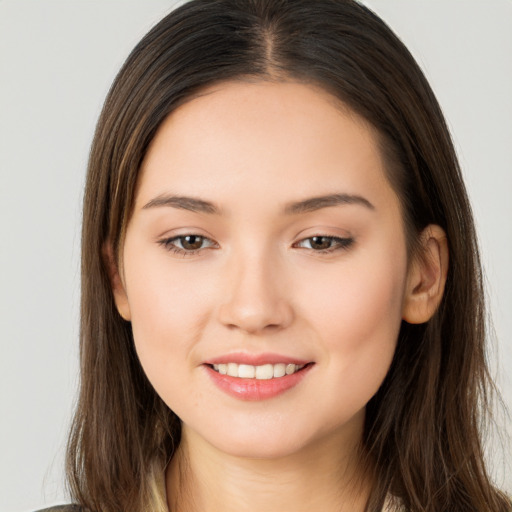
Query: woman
point(281, 294)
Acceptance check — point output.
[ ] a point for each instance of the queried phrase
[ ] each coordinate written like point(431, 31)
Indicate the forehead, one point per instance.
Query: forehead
point(265, 139)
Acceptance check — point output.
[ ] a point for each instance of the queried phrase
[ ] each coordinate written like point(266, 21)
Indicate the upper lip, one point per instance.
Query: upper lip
point(256, 359)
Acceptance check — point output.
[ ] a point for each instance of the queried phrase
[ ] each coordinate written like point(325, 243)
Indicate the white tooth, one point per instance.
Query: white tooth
point(246, 371)
point(232, 370)
point(279, 370)
point(265, 372)
point(262, 372)
point(290, 368)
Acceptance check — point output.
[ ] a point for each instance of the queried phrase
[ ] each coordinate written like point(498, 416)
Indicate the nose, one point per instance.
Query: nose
point(256, 298)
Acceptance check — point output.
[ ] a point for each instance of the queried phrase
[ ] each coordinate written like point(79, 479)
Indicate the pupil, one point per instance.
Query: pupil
point(192, 242)
point(320, 242)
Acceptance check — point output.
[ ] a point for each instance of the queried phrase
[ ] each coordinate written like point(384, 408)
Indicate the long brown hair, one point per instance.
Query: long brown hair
point(423, 427)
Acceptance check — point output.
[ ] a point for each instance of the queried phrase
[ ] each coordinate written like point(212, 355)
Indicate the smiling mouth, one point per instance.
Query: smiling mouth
point(262, 372)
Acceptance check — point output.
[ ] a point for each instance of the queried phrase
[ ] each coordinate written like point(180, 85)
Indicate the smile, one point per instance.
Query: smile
point(262, 372)
point(257, 382)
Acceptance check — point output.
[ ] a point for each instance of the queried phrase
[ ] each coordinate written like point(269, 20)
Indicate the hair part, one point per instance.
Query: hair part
point(422, 433)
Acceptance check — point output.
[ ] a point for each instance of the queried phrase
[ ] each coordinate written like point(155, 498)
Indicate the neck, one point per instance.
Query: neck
point(320, 477)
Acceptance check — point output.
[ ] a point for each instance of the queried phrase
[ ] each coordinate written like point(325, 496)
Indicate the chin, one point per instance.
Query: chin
point(278, 439)
point(264, 447)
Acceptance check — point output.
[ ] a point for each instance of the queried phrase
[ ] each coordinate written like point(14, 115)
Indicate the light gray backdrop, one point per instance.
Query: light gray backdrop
point(57, 60)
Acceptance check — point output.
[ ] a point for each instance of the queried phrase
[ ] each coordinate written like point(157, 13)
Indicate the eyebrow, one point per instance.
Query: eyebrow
point(317, 203)
point(184, 203)
point(294, 208)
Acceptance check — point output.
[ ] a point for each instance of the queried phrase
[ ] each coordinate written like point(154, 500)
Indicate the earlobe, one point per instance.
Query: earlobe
point(426, 277)
point(116, 283)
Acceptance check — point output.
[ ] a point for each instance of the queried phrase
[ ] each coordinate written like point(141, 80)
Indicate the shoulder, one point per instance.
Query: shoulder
point(63, 508)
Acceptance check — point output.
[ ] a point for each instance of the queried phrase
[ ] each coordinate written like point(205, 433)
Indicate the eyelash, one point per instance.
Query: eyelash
point(169, 244)
point(341, 243)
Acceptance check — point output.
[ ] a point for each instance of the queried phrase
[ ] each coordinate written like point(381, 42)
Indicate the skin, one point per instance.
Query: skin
point(259, 284)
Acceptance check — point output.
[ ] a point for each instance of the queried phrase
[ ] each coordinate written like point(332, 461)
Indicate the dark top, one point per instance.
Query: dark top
point(63, 508)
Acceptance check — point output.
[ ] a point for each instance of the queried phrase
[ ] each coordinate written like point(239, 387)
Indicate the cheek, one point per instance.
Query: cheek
point(165, 326)
point(167, 315)
point(358, 315)
point(361, 299)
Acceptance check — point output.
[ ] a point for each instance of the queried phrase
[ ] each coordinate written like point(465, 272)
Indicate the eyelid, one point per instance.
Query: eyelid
point(342, 243)
point(168, 243)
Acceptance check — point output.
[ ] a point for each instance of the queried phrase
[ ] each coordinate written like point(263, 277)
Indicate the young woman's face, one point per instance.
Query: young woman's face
point(264, 268)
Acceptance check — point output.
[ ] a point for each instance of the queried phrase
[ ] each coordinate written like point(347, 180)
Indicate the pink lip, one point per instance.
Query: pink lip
point(255, 359)
point(255, 389)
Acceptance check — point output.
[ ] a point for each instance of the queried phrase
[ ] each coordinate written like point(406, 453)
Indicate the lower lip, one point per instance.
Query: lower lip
point(256, 389)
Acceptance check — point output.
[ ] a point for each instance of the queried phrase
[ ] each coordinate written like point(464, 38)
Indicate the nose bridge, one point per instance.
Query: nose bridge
point(255, 296)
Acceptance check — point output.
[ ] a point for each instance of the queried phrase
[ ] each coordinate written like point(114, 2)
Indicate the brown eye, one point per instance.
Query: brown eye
point(320, 243)
point(191, 242)
point(187, 245)
point(325, 244)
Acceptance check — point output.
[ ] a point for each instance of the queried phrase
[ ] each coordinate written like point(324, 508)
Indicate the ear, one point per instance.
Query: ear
point(426, 276)
point(116, 282)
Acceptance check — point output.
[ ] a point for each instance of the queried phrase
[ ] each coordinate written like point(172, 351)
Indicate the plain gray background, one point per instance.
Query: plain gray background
point(57, 60)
